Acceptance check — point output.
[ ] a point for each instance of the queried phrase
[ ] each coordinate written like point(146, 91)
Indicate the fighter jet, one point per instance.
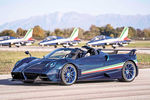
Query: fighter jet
point(9, 41)
point(65, 42)
point(114, 42)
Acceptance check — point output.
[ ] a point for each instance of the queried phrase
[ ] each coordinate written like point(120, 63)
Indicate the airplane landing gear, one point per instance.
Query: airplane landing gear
point(64, 46)
point(55, 46)
point(9, 45)
point(103, 47)
point(113, 47)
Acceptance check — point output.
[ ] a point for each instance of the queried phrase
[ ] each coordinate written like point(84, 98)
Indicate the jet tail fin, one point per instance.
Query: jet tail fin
point(124, 34)
point(28, 34)
point(74, 34)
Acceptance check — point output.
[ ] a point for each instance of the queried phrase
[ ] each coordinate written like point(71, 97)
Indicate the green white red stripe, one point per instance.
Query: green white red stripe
point(123, 32)
point(28, 34)
point(74, 34)
point(115, 66)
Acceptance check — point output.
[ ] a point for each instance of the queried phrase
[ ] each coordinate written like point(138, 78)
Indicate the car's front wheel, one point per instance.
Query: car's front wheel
point(128, 72)
point(68, 74)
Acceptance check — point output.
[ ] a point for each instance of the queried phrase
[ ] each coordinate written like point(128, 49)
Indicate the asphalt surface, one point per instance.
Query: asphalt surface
point(51, 48)
point(139, 89)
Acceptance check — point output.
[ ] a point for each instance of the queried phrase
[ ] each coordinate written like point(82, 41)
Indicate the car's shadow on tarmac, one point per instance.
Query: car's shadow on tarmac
point(39, 83)
point(20, 83)
point(96, 81)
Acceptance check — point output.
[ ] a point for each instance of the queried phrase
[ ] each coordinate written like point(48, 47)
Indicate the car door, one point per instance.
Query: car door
point(113, 65)
point(90, 64)
point(114, 60)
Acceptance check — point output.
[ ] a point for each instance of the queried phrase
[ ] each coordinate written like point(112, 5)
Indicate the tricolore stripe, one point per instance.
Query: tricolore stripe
point(125, 29)
point(74, 31)
point(115, 66)
point(27, 33)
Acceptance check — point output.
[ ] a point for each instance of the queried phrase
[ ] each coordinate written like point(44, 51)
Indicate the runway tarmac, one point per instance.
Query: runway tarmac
point(139, 89)
point(37, 48)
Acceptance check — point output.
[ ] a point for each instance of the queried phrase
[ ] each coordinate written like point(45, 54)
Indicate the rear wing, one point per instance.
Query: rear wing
point(115, 51)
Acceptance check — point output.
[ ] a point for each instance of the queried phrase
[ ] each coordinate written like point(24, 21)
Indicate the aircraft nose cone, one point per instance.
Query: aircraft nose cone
point(88, 44)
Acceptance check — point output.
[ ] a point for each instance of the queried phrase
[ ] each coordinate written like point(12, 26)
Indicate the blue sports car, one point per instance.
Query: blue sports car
point(68, 65)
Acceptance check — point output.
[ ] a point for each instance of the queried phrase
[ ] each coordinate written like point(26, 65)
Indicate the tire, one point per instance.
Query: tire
point(128, 72)
point(68, 74)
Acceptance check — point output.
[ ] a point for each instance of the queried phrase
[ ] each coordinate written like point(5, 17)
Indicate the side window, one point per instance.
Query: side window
point(87, 54)
point(91, 52)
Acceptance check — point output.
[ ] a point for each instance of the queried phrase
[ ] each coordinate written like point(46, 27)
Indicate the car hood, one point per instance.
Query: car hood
point(41, 61)
point(35, 65)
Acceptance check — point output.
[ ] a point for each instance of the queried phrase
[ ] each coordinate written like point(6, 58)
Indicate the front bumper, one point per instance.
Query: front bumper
point(52, 75)
point(28, 76)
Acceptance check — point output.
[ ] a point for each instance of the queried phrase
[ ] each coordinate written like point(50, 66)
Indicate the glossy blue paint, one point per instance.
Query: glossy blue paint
point(50, 68)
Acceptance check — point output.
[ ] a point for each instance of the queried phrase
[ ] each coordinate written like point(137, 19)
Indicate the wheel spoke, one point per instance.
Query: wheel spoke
point(65, 76)
point(127, 67)
point(71, 79)
point(131, 74)
point(130, 66)
point(127, 76)
point(72, 74)
point(131, 69)
point(67, 79)
point(70, 69)
point(65, 71)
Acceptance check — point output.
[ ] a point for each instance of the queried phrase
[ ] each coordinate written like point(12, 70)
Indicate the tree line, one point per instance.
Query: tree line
point(108, 30)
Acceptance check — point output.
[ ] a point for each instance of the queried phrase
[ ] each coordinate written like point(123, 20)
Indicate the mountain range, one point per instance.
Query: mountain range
point(74, 19)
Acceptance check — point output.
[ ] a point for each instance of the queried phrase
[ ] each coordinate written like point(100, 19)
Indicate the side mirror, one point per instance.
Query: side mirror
point(106, 57)
point(28, 53)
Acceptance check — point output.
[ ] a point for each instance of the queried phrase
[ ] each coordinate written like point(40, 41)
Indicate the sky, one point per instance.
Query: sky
point(11, 10)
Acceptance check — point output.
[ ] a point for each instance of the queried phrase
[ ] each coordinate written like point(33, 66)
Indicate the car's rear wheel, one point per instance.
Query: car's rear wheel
point(128, 72)
point(68, 74)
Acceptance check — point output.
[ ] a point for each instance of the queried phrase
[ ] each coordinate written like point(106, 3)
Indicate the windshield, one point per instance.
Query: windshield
point(59, 53)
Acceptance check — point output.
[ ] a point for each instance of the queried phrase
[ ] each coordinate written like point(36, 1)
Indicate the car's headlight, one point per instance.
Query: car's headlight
point(51, 64)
